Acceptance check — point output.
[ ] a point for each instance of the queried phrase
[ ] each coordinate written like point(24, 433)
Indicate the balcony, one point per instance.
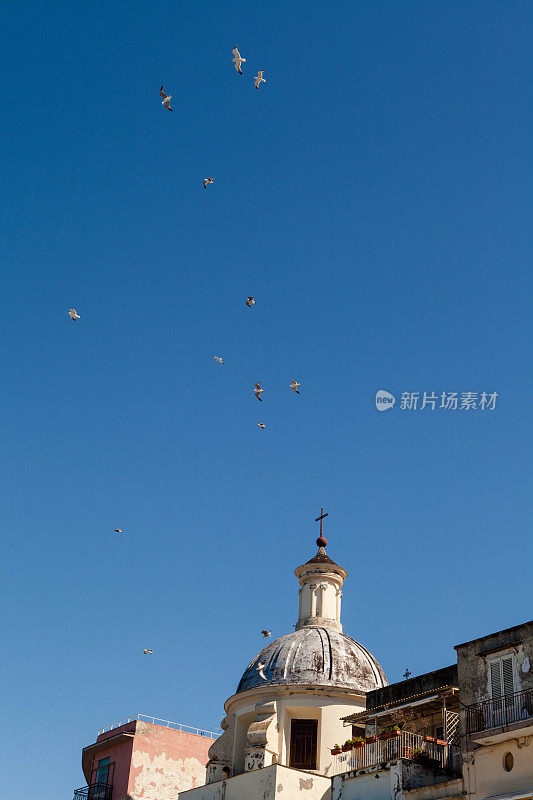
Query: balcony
point(97, 791)
point(404, 745)
point(496, 717)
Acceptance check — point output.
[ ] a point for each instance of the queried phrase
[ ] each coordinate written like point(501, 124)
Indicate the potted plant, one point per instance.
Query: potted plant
point(442, 742)
point(421, 756)
point(370, 739)
point(347, 746)
point(336, 749)
point(429, 738)
point(358, 741)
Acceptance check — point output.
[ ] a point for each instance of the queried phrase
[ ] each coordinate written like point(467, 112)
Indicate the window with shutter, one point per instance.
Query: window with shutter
point(507, 674)
point(495, 679)
point(501, 677)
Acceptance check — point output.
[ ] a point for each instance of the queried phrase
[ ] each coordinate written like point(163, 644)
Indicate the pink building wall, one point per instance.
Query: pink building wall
point(149, 761)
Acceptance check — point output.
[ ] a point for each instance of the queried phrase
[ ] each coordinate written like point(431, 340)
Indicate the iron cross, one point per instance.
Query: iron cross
point(406, 674)
point(321, 518)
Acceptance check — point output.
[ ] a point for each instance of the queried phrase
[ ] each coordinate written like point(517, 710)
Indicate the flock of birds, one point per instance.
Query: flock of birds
point(238, 61)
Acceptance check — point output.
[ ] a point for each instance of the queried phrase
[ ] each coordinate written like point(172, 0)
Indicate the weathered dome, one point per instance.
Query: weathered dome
point(317, 656)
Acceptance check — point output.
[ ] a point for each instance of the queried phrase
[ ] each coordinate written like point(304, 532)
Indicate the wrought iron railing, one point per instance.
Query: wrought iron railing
point(499, 712)
point(178, 726)
point(404, 745)
point(97, 791)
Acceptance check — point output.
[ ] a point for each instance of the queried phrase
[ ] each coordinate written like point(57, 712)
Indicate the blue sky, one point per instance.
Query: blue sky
point(375, 198)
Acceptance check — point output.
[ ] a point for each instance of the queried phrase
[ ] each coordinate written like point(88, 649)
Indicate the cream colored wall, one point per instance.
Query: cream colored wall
point(327, 709)
point(271, 783)
point(485, 776)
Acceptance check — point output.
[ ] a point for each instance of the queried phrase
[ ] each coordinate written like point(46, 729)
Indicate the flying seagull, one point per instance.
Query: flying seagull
point(148, 652)
point(294, 386)
point(72, 314)
point(119, 530)
point(259, 79)
point(206, 181)
point(258, 391)
point(217, 358)
point(250, 301)
point(261, 424)
point(238, 60)
point(266, 634)
point(166, 101)
point(260, 667)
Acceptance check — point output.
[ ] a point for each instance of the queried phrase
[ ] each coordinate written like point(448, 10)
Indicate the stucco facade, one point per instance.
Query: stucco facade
point(496, 678)
point(268, 783)
point(147, 761)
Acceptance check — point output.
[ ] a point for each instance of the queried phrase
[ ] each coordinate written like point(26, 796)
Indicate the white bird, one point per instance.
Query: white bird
point(72, 314)
point(217, 358)
point(260, 667)
point(266, 634)
point(258, 391)
point(119, 530)
point(259, 79)
point(206, 181)
point(250, 301)
point(294, 386)
point(261, 425)
point(238, 60)
point(148, 652)
point(166, 101)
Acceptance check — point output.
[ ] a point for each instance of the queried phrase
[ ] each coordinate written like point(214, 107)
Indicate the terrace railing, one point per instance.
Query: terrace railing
point(405, 745)
point(499, 712)
point(178, 726)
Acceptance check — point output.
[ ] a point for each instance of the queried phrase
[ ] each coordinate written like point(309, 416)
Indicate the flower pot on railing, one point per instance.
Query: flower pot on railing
point(384, 736)
point(370, 739)
point(335, 751)
point(442, 742)
point(346, 748)
point(429, 738)
point(359, 744)
point(395, 732)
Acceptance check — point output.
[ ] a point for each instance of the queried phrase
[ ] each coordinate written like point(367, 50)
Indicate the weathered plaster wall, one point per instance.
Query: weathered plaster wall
point(165, 762)
point(387, 782)
point(472, 667)
point(271, 783)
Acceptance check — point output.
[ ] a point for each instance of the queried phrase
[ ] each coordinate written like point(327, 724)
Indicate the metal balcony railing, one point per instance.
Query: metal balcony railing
point(178, 726)
point(405, 745)
point(499, 712)
point(97, 791)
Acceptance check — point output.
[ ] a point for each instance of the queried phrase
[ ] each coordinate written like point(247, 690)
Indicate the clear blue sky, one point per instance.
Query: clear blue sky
point(375, 198)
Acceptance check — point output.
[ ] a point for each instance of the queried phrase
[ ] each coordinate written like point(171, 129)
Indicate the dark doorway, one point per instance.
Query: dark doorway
point(303, 743)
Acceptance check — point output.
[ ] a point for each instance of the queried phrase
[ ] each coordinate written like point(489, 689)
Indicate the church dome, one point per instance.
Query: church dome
point(315, 655)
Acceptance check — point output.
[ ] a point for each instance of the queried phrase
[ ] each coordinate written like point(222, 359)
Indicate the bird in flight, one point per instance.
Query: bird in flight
point(258, 391)
point(166, 101)
point(217, 358)
point(238, 60)
point(72, 314)
point(259, 79)
point(266, 634)
point(148, 652)
point(260, 667)
point(250, 301)
point(206, 181)
point(294, 386)
point(261, 424)
point(119, 530)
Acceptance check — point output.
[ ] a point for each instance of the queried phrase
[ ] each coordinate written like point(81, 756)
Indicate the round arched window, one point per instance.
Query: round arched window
point(508, 762)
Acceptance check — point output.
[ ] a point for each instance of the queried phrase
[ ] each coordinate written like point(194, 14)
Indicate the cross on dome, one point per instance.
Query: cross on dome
point(321, 541)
